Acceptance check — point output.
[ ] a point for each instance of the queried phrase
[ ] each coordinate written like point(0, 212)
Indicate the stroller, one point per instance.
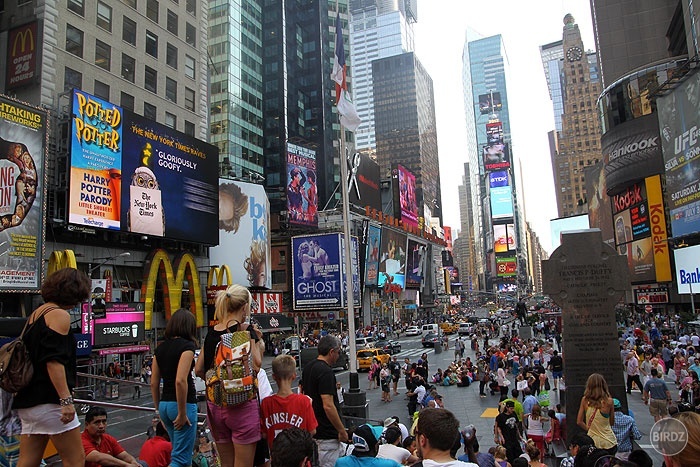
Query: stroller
point(493, 384)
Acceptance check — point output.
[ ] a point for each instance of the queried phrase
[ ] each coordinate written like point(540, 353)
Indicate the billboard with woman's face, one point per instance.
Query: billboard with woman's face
point(392, 259)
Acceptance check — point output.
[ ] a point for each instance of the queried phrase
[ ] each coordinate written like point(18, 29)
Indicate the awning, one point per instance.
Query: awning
point(273, 322)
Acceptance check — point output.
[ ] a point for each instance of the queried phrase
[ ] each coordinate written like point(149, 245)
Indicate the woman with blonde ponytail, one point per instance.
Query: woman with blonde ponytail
point(236, 430)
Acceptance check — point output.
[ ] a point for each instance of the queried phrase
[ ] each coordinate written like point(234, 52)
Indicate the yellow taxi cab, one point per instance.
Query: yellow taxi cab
point(449, 328)
point(365, 356)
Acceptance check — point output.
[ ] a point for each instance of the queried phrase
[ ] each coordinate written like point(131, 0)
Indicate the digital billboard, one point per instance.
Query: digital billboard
point(372, 257)
point(501, 202)
point(507, 287)
point(498, 179)
point(503, 238)
point(364, 182)
point(318, 280)
point(599, 213)
point(415, 264)
point(566, 224)
point(392, 258)
point(23, 131)
point(405, 201)
point(687, 269)
point(489, 103)
point(495, 153)
point(506, 267)
point(123, 324)
point(679, 123)
point(302, 190)
point(632, 226)
point(244, 239)
point(170, 179)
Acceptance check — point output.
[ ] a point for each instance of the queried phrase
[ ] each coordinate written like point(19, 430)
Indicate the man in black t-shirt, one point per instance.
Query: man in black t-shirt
point(319, 384)
point(395, 369)
point(506, 432)
point(556, 364)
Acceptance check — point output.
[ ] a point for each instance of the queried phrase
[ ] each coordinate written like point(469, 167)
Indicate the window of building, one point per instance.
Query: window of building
point(191, 7)
point(101, 90)
point(152, 10)
point(104, 16)
point(190, 65)
point(127, 101)
point(77, 7)
point(72, 79)
point(189, 128)
point(129, 31)
point(103, 55)
point(191, 35)
point(171, 56)
point(150, 79)
point(151, 44)
point(172, 22)
point(128, 68)
point(189, 99)
point(170, 120)
point(149, 111)
point(131, 3)
point(171, 89)
point(74, 41)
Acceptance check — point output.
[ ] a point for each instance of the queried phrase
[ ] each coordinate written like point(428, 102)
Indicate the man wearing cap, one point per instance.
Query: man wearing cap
point(364, 451)
point(579, 440)
point(437, 432)
point(625, 429)
point(506, 431)
point(657, 395)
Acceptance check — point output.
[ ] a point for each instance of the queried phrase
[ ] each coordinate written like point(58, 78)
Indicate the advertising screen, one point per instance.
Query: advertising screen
point(364, 182)
point(122, 324)
point(506, 267)
point(507, 287)
point(372, 259)
point(566, 224)
point(501, 238)
point(599, 214)
point(415, 264)
point(131, 174)
point(23, 131)
point(317, 277)
point(687, 269)
point(501, 202)
point(632, 225)
point(489, 103)
point(496, 157)
point(679, 124)
point(498, 179)
point(405, 201)
point(302, 190)
point(244, 241)
point(392, 258)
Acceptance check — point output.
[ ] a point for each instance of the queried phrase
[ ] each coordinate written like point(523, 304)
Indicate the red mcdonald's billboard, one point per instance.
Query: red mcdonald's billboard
point(22, 44)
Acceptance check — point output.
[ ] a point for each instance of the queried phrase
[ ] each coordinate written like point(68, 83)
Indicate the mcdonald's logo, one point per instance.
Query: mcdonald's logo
point(158, 266)
point(218, 274)
point(22, 39)
point(62, 259)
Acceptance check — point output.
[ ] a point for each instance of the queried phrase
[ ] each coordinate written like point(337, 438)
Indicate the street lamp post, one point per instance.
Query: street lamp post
point(91, 269)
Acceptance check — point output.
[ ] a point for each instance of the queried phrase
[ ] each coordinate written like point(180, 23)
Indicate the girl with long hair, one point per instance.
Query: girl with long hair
point(596, 413)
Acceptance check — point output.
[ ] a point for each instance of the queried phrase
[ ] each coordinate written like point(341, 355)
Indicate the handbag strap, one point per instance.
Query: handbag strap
point(590, 421)
point(28, 326)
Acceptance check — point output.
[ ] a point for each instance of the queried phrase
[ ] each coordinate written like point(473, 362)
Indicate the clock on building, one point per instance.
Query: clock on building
point(574, 54)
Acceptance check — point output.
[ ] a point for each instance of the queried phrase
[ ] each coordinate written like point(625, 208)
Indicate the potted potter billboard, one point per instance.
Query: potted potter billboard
point(318, 271)
point(131, 174)
point(23, 131)
point(244, 241)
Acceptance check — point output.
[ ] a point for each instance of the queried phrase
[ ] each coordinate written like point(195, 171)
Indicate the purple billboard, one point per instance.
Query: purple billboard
point(302, 190)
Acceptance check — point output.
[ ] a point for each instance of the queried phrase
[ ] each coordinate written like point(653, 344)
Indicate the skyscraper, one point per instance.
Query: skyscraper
point(552, 55)
point(378, 29)
point(404, 112)
point(577, 145)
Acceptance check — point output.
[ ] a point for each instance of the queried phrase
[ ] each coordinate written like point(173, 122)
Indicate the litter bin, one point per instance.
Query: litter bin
point(438, 347)
point(112, 389)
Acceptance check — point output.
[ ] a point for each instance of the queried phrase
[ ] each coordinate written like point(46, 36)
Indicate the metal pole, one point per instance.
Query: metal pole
point(692, 300)
point(349, 299)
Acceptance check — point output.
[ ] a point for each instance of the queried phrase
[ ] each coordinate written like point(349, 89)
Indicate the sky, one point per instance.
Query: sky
point(439, 40)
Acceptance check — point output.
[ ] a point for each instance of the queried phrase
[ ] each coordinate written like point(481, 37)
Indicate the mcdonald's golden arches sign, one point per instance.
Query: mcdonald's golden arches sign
point(22, 45)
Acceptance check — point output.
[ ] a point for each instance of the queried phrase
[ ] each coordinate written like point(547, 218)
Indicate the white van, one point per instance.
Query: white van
point(426, 328)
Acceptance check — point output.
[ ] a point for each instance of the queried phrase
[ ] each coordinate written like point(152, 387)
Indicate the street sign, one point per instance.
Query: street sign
point(331, 316)
point(648, 308)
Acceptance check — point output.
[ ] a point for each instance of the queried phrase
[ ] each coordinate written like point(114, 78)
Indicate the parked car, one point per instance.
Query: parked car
point(365, 356)
point(412, 331)
point(430, 340)
point(389, 346)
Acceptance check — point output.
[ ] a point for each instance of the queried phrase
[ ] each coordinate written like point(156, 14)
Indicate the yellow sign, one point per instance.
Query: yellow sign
point(659, 234)
point(25, 41)
point(158, 264)
point(61, 259)
point(218, 274)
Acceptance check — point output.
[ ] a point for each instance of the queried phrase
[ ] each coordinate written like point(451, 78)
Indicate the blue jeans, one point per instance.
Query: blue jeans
point(182, 439)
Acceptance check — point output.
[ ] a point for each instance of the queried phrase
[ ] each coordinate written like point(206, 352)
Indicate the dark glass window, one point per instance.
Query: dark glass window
point(189, 128)
point(72, 79)
point(77, 6)
point(150, 80)
point(189, 99)
point(104, 16)
point(128, 68)
point(127, 101)
point(131, 3)
point(171, 89)
point(103, 55)
point(129, 31)
point(191, 35)
point(101, 90)
point(171, 56)
point(74, 41)
point(151, 44)
point(172, 22)
point(191, 7)
point(152, 10)
point(149, 111)
point(170, 120)
point(190, 65)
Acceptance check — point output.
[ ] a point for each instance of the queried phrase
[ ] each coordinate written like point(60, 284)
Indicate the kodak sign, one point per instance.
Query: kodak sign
point(659, 234)
point(22, 45)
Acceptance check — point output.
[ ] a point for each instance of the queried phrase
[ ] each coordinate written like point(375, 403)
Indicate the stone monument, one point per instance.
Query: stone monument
point(586, 278)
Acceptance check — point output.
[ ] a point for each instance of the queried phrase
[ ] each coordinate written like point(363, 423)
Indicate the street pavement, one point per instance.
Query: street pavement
point(129, 426)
